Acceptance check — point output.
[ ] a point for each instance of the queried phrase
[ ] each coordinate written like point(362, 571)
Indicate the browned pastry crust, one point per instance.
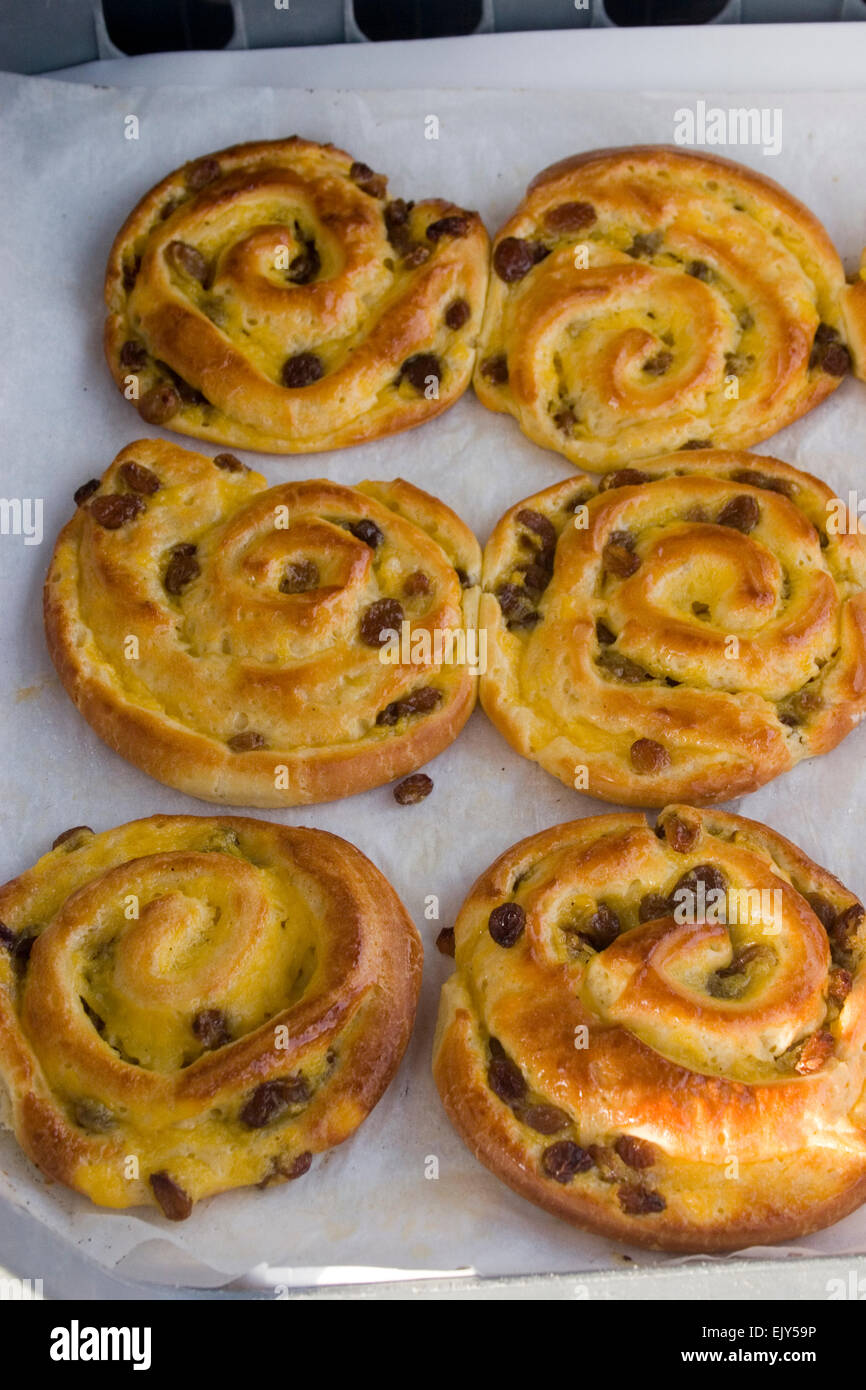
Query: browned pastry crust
point(216, 638)
point(646, 299)
point(271, 296)
point(191, 1004)
point(688, 628)
point(640, 1069)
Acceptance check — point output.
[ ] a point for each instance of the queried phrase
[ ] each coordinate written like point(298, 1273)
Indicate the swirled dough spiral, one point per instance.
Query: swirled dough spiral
point(271, 296)
point(191, 1004)
point(688, 628)
point(646, 299)
point(660, 1036)
point(226, 637)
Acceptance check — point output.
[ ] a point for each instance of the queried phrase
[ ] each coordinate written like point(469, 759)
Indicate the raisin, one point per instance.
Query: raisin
point(648, 757)
point(603, 634)
point(306, 265)
point(680, 836)
point(840, 984)
point(506, 1080)
point(658, 364)
point(798, 708)
point(183, 568)
point(382, 617)
point(697, 444)
point(545, 1119)
point(115, 509)
point(415, 256)
point(420, 701)
point(506, 924)
point(211, 1028)
point(247, 741)
point(823, 909)
point(457, 313)
point(367, 531)
point(836, 360)
point(229, 464)
point(299, 1165)
point(645, 244)
point(413, 789)
point(618, 557)
point(565, 418)
point(175, 1203)
point(562, 1160)
point(652, 907)
point(85, 492)
point(130, 273)
point(635, 1153)
point(639, 1201)
point(300, 577)
point(452, 226)
point(517, 606)
point(495, 369)
point(570, 217)
point(602, 928)
point(540, 525)
point(742, 513)
point(133, 355)
point(93, 1116)
point(828, 353)
point(397, 223)
point(623, 477)
point(686, 889)
point(700, 270)
point(419, 368)
point(159, 404)
point(513, 258)
point(445, 942)
point(187, 260)
point(416, 583)
point(763, 480)
point(846, 925)
point(814, 1052)
point(73, 839)
point(272, 1099)
point(302, 369)
point(139, 478)
point(622, 667)
point(373, 184)
point(201, 173)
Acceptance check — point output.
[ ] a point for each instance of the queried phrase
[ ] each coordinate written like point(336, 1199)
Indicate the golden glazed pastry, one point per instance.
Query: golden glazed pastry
point(232, 639)
point(272, 296)
point(190, 1004)
point(689, 628)
point(660, 1036)
point(645, 299)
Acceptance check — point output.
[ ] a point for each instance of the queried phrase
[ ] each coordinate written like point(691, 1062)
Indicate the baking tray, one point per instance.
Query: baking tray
point(726, 58)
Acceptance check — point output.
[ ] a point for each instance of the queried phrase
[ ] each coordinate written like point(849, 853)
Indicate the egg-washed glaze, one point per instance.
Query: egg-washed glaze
point(272, 296)
point(691, 627)
point(659, 1034)
point(646, 299)
point(191, 1004)
point(223, 635)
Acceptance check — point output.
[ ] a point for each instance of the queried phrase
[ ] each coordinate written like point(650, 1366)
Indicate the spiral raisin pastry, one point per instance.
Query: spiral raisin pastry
point(272, 296)
point(643, 300)
point(239, 642)
point(191, 1004)
point(689, 628)
point(660, 1035)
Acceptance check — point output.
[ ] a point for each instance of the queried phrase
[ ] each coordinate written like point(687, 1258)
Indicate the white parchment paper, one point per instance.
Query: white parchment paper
point(69, 176)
